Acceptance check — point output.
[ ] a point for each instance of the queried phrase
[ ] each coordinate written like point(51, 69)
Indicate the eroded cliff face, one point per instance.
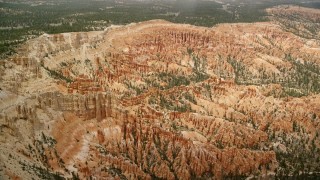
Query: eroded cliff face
point(161, 100)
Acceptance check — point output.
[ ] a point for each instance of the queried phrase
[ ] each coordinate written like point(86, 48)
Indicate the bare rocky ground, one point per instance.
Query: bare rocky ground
point(162, 100)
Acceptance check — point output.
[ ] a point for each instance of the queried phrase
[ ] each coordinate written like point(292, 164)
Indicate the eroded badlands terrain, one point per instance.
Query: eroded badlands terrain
point(162, 100)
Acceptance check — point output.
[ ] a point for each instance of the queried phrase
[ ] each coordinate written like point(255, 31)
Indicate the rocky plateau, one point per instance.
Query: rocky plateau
point(158, 100)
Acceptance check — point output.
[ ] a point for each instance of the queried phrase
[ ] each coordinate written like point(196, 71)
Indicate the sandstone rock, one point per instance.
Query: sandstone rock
point(156, 99)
